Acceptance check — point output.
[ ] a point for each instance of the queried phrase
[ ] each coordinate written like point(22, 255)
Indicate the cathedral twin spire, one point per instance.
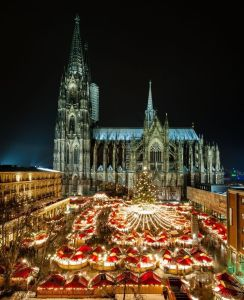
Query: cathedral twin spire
point(75, 142)
point(76, 60)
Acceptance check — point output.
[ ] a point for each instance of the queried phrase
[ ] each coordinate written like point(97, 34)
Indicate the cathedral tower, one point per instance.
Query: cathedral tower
point(78, 105)
point(93, 157)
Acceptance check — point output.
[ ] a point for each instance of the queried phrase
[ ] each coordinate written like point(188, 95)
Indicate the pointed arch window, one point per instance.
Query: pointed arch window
point(76, 155)
point(67, 155)
point(155, 153)
point(75, 185)
point(72, 125)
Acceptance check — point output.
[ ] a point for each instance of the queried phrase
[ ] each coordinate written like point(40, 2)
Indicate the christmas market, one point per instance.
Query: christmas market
point(119, 245)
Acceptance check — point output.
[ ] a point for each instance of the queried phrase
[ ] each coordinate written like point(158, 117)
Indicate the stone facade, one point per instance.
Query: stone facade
point(89, 155)
point(17, 184)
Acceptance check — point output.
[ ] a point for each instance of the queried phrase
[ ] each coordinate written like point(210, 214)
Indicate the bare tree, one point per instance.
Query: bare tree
point(15, 222)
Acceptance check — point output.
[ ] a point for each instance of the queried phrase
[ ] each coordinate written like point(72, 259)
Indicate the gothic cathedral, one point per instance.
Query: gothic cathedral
point(89, 155)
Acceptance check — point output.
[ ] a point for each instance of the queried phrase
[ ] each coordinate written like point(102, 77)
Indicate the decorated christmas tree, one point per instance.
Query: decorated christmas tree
point(144, 190)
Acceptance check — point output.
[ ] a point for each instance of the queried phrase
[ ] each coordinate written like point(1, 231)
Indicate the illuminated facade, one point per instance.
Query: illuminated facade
point(17, 184)
point(89, 155)
point(235, 227)
point(206, 201)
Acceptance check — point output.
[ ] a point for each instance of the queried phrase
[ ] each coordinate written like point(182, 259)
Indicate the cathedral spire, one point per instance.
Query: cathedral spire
point(76, 55)
point(86, 63)
point(166, 122)
point(150, 112)
point(149, 102)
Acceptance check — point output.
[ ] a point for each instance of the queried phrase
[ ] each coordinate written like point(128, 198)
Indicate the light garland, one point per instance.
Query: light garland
point(101, 197)
point(141, 226)
point(146, 217)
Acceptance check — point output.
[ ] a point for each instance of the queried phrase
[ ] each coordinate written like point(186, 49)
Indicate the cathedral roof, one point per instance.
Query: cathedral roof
point(116, 134)
point(183, 134)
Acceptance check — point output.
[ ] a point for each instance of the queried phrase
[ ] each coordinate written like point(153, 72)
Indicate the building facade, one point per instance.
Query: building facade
point(25, 184)
point(235, 228)
point(28, 197)
point(210, 202)
point(88, 154)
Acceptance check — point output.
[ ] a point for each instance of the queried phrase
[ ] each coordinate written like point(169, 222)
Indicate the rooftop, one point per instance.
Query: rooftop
point(111, 134)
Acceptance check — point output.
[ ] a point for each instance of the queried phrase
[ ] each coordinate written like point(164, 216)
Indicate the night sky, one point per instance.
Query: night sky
point(192, 54)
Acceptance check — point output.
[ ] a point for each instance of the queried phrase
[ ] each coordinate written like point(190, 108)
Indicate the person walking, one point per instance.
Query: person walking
point(165, 293)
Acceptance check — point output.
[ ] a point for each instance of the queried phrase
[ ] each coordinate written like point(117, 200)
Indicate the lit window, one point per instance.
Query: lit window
point(155, 153)
point(242, 200)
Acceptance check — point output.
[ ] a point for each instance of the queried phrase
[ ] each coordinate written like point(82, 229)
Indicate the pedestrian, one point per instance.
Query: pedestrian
point(165, 293)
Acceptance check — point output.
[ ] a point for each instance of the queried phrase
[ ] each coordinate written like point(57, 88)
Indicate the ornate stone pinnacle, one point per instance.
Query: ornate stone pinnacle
point(77, 19)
